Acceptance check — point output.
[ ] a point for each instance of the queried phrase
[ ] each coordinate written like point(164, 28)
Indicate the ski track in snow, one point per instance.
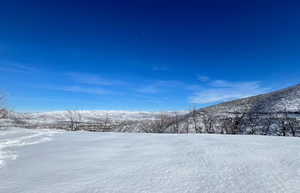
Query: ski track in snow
point(83, 162)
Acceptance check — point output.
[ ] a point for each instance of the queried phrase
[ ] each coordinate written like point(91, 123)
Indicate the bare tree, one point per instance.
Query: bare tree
point(227, 125)
point(3, 110)
point(208, 122)
point(267, 123)
point(292, 124)
point(185, 125)
point(74, 119)
point(107, 123)
point(283, 123)
point(287, 124)
point(249, 121)
point(120, 126)
point(146, 126)
point(162, 123)
point(159, 125)
point(18, 119)
point(282, 128)
point(234, 123)
point(195, 119)
point(238, 123)
point(175, 123)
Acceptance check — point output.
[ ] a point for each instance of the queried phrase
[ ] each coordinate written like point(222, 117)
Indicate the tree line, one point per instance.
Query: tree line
point(195, 121)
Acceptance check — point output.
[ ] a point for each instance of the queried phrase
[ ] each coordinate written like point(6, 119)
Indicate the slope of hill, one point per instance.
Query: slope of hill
point(278, 101)
point(275, 113)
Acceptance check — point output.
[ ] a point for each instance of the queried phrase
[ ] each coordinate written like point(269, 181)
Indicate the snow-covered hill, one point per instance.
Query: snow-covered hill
point(275, 113)
point(278, 101)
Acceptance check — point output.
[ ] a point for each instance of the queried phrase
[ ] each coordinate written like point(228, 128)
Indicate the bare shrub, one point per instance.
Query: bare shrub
point(74, 119)
point(250, 123)
point(175, 123)
point(234, 123)
point(195, 120)
point(208, 122)
point(159, 125)
point(287, 124)
point(3, 110)
point(266, 124)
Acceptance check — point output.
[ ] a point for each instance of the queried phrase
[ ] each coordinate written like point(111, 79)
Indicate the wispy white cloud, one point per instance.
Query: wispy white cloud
point(222, 90)
point(194, 87)
point(228, 84)
point(77, 89)
point(16, 67)
point(93, 79)
point(160, 85)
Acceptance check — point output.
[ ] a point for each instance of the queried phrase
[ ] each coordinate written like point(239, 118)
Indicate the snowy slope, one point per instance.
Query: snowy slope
point(85, 162)
point(283, 100)
point(275, 113)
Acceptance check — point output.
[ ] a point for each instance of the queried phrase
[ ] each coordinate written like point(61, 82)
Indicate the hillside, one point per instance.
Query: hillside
point(278, 101)
point(275, 113)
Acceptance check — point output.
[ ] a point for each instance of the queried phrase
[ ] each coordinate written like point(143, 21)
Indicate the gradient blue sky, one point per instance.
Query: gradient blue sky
point(145, 54)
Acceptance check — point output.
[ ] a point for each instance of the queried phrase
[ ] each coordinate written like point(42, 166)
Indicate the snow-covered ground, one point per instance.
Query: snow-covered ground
point(35, 161)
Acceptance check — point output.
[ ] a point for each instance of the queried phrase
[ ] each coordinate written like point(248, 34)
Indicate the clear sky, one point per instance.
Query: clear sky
point(148, 55)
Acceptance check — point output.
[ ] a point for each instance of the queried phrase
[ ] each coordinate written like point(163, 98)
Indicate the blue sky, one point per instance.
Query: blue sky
point(145, 55)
